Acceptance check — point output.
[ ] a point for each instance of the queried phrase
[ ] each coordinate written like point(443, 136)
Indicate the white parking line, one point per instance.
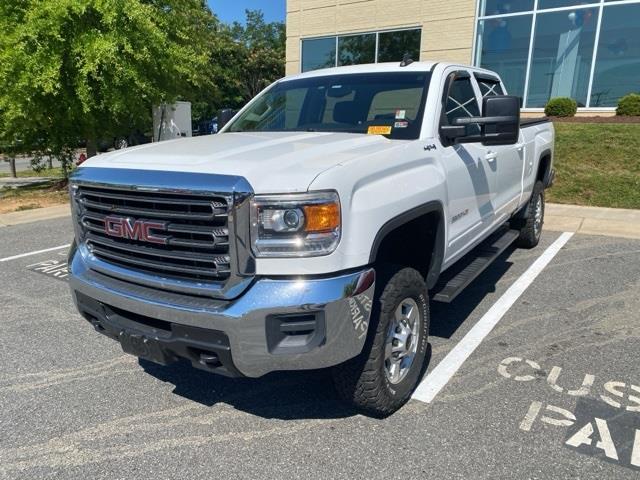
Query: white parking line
point(34, 253)
point(447, 368)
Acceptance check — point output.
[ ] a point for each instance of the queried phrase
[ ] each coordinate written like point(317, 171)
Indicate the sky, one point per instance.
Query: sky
point(233, 10)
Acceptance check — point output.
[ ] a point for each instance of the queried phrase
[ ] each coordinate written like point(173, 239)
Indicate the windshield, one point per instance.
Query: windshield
point(389, 104)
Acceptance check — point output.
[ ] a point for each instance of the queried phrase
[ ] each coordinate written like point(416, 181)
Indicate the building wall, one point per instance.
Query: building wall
point(447, 25)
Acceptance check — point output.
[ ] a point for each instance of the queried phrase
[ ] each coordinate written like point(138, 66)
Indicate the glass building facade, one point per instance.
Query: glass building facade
point(586, 50)
point(374, 47)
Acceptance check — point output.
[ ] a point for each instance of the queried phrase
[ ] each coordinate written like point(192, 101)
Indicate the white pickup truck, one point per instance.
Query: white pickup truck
point(313, 231)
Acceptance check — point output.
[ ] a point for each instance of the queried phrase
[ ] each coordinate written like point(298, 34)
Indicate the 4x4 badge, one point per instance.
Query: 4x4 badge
point(428, 148)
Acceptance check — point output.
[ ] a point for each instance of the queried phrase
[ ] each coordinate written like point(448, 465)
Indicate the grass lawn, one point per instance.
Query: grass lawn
point(597, 165)
point(50, 193)
point(36, 196)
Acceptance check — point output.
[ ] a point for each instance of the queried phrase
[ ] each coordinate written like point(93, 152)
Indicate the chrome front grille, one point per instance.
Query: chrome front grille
point(196, 229)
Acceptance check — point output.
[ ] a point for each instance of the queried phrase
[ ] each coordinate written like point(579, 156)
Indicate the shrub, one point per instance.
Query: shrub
point(629, 105)
point(561, 107)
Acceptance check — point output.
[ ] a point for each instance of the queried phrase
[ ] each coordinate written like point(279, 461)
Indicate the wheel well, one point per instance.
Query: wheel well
point(417, 243)
point(543, 167)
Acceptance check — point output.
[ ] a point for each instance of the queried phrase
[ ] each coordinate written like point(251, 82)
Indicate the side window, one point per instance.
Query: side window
point(462, 102)
point(490, 88)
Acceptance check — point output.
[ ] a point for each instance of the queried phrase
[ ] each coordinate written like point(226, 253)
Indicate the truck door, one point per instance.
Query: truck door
point(470, 175)
point(506, 160)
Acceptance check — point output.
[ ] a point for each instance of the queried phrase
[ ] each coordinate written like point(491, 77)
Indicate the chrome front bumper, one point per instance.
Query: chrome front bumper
point(256, 322)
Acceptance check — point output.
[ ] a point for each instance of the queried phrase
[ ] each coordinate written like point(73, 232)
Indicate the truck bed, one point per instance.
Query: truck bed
point(530, 122)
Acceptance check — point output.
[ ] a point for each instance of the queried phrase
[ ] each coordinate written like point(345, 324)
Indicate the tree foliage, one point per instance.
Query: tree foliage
point(245, 58)
point(85, 70)
point(73, 70)
point(264, 52)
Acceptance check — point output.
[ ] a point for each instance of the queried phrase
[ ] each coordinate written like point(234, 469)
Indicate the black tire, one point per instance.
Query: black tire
point(120, 143)
point(363, 381)
point(531, 227)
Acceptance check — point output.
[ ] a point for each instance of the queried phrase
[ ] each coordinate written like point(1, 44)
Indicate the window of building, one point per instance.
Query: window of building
point(562, 55)
point(393, 45)
point(318, 53)
point(503, 46)
point(559, 56)
point(372, 47)
point(356, 49)
point(542, 4)
point(617, 70)
point(502, 7)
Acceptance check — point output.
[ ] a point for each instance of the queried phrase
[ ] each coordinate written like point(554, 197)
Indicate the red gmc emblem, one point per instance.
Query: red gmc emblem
point(141, 230)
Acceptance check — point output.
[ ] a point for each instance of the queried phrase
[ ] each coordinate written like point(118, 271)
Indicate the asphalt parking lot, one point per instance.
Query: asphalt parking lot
point(552, 392)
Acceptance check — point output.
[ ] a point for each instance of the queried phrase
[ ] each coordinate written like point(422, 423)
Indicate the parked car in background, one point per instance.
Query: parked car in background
point(205, 127)
point(123, 141)
point(208, 127)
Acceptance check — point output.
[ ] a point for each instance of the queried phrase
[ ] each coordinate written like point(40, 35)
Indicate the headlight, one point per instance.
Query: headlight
point(295, 225)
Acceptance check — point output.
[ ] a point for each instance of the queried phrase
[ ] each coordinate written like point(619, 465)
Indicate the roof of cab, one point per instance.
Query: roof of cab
point(366, 68)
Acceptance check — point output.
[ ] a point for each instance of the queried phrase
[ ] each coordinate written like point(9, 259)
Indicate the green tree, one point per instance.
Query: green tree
point(264, 52)
point(73, 70)
point(244, 59)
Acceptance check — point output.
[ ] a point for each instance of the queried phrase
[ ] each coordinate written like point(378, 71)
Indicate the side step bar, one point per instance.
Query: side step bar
point(469, 267)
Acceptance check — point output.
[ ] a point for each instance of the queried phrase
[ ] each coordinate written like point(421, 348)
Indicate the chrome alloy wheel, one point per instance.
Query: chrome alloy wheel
point(402, 341)
point(537, 217)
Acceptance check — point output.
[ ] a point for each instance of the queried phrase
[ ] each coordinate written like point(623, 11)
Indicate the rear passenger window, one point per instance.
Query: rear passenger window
point(490, 88)
point(462, 101)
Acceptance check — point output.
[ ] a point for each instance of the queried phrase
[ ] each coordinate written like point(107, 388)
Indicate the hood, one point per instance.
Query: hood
point(272, 162)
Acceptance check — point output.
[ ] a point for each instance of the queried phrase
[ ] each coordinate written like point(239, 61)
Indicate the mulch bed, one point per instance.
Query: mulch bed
point(615, 119)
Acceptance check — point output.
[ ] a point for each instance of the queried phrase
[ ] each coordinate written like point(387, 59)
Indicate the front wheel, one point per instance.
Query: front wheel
point(381, 379)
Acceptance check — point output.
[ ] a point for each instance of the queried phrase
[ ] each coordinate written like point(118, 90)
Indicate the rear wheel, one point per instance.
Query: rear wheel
point(531, 229)
point(381, 379)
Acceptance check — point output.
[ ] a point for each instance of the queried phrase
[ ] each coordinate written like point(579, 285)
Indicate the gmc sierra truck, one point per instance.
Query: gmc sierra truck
point(315, 229)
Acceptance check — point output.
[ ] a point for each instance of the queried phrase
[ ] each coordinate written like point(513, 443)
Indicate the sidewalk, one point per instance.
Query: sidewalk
point(8, 182)
point(28, 216)
point(612, 222)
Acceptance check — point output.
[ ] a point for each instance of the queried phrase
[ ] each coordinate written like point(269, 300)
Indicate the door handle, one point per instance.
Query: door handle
point(491, 156)
point(519, 146)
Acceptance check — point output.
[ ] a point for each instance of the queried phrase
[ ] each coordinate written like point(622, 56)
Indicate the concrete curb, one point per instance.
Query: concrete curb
point(611, 222)
point(35, 215)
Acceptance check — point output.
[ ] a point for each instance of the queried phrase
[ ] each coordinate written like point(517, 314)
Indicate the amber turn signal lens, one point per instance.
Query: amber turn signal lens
point(322, 218)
